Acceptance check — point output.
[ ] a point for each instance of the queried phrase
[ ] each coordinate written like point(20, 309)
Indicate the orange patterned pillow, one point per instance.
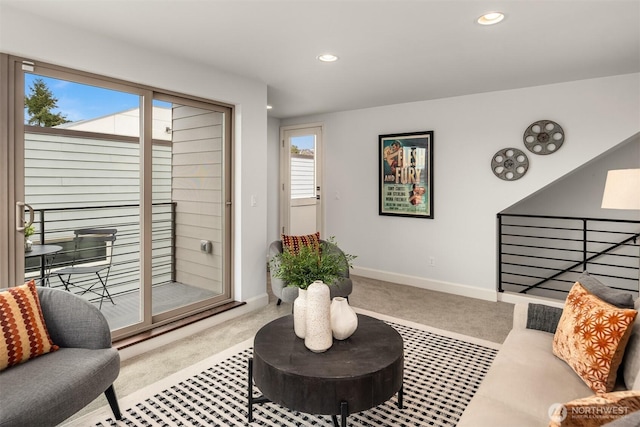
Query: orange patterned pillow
point(24, 333)
point(293, 243)
point(591, 337)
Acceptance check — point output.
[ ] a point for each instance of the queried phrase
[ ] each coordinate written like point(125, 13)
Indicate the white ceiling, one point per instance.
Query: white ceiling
point(390, 51)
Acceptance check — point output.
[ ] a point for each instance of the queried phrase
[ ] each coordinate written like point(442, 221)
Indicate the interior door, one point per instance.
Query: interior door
point(301, 178)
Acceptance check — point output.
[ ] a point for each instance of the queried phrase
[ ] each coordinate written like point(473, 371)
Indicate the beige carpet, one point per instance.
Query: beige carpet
point(467, 316)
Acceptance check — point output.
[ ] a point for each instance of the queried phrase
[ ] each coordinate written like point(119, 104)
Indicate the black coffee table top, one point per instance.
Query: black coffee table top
point(364, 370)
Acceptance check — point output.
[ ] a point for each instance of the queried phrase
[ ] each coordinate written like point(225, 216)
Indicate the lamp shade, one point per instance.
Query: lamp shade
point(622, 189)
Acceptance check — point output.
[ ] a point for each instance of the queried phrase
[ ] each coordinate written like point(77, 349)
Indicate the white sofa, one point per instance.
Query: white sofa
point(526, 379)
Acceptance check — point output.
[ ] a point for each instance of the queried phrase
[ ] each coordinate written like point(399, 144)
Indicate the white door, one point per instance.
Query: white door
point(301, 188)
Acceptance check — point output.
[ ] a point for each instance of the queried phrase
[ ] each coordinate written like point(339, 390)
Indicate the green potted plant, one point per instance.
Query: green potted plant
point(311, 264)
point(300, 270)
point(28, 232)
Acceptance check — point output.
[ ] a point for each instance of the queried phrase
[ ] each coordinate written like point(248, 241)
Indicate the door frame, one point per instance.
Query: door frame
point(11, 253)
point(316, 129)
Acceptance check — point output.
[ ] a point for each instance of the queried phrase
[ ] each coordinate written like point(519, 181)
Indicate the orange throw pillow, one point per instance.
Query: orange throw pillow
point(24, 333)
point(293, 243)
point(591, 337)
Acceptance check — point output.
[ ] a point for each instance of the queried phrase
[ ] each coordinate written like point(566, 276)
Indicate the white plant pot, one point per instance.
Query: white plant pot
point(300, 314)
point(319, 337)
point(344, 321)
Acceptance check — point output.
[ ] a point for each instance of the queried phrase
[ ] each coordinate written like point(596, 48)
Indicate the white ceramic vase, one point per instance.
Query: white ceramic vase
point(344, 321)
point(300, 314)
point(319, 337)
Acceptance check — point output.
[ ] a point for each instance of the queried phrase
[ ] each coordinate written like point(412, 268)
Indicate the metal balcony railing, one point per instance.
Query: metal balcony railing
point(544, 255)
point(56, 227)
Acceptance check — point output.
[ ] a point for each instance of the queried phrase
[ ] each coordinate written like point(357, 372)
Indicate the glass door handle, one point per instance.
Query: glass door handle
point(21, 224)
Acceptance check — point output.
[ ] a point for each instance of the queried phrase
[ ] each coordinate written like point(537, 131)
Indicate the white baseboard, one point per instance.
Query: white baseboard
point(432, 285)
point(185, 331)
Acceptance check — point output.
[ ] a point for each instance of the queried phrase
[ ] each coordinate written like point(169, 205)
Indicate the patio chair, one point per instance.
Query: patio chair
point(92, 254)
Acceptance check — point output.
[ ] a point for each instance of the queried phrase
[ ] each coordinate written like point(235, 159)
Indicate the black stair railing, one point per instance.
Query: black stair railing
point(544, 255)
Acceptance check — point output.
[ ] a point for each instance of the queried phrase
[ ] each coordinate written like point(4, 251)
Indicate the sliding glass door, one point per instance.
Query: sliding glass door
point(190, 176)
point(82, 171)
point(151, 168)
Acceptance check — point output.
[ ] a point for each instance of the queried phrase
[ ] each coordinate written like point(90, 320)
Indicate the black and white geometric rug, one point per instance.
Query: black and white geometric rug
point(442, 371)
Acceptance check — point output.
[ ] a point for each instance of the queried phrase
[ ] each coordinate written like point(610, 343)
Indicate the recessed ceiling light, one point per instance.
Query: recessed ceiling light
point(490, 18)
point(327, 57)
point(269, 107)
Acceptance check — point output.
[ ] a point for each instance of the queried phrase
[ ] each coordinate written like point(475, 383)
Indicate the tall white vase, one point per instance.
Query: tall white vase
point(344, 321)
point(319, 337)
point(300, 314)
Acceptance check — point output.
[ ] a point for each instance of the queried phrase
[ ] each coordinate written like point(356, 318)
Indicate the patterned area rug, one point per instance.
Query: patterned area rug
point(442, 372)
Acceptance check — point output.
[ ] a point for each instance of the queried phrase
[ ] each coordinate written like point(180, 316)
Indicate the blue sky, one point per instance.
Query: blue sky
point(307, 141)
point(80, 102)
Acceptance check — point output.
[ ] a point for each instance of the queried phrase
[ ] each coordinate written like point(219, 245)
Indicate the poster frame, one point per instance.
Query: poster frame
point(404, 167)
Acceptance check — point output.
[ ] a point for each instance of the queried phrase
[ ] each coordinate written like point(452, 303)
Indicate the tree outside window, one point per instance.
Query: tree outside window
point(39, 105)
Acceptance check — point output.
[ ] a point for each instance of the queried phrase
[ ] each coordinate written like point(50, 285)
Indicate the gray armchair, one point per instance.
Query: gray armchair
point(48, 389)
point(342, 287)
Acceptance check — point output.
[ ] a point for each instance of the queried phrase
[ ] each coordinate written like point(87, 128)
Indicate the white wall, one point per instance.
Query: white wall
point(23, 34)
point(468, 130)
point(570, 195)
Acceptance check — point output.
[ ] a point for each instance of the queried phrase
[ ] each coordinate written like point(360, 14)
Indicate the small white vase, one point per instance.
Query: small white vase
point(344, 321)
point(319, 337)
point(300, 314)
point(28, 245)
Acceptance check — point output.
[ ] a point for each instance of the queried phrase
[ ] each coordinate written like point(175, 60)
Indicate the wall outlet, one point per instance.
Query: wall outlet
point(432, 261)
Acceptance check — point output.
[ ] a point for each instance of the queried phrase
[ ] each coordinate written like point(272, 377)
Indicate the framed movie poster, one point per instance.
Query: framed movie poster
point(406, 174)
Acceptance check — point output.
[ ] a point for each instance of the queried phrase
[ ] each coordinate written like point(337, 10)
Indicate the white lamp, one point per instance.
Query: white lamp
point(622, 189)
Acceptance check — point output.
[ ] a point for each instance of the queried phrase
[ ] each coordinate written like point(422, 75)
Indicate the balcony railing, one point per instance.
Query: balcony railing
point(544, 255)
point(56, 226)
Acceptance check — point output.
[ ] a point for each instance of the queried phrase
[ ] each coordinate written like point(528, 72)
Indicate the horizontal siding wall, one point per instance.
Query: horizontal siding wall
point(63, 171)
point(198, 193)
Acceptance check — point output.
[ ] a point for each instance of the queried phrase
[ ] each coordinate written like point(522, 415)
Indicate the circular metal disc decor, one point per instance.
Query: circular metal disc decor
point(543, 137)
point(509, 164)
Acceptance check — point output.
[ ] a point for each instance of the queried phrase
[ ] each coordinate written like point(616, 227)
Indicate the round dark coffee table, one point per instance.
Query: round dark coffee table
point(356, 374)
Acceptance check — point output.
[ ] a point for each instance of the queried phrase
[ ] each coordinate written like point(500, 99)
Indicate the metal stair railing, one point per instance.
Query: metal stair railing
point(542, 255)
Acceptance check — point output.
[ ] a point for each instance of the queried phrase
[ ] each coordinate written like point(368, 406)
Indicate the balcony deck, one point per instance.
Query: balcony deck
point(167, 296)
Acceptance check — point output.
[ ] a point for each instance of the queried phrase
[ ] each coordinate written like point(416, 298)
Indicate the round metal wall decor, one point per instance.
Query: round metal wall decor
point(543, 137)
point(509, 164)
